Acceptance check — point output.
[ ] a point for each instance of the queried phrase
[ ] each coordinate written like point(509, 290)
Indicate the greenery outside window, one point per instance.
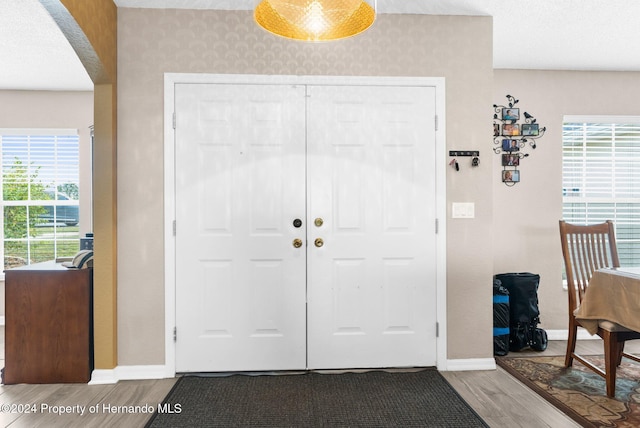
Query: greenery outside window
point(40, 195)
point(601, 177)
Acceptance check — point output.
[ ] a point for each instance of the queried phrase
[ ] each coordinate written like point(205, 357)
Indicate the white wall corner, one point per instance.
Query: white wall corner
point(2, 320)
point(461, 365)
point(103, 377)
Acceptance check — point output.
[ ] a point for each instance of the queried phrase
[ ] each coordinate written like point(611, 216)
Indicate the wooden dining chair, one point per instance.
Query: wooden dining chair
point(586, 249)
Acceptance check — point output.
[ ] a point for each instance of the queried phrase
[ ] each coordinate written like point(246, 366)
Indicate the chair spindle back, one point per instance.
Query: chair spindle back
point(586, 249)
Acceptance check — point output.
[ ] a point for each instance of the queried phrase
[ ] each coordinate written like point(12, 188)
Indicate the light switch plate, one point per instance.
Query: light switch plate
point(463, 210)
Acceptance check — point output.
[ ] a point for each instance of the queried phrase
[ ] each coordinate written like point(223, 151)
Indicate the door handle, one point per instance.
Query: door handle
point(297, 243)
point(319, 242)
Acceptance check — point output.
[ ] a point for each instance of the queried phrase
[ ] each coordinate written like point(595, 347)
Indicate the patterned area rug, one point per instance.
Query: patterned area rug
point(579, 392)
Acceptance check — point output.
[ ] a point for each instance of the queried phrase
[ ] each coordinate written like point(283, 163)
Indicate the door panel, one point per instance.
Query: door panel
point(371, 286)
point(252, 158)
point(240, 295)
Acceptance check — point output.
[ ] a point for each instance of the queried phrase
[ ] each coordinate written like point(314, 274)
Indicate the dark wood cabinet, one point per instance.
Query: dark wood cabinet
point(48, 324)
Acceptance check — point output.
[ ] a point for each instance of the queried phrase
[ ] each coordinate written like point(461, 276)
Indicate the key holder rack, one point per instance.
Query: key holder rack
point(512, 136)
point(474, 154)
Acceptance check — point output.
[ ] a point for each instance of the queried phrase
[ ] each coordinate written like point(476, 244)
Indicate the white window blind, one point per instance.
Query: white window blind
point(40, 189)
point(601, 177)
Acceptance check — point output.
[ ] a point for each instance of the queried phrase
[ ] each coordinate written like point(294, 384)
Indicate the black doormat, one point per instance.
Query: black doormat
point(370, 399)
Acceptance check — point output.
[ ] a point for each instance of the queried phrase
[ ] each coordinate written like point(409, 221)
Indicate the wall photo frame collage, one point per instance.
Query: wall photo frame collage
point(511, 137)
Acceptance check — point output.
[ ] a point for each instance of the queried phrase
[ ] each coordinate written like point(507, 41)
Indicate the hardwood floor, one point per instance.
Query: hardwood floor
point(71, 405)
point(498, 398)
point(504, 402)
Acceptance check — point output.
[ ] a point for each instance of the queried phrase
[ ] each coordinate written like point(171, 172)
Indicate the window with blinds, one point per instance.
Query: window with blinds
point(40, 195)
point(601, 177)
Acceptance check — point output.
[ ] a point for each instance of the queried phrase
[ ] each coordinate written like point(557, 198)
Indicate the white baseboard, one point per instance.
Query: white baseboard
point(99, 377)
point(141, 372)
point(470, 364)
point(564, 334)
point(160, 372)
point(490, 363)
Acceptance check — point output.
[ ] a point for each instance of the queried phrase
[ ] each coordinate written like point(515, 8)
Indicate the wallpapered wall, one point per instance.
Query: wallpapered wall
point(153, 42)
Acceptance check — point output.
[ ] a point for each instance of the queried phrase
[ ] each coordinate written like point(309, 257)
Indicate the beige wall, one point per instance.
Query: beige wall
point(152, 42)
point(526, 215)
point(45, 109)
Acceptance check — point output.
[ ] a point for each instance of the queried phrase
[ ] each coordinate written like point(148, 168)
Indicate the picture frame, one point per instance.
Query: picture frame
point(510, 129)
point(509, 159)
point(530, 129)
point(509, 145)
point(510, 113)
point(510, 176)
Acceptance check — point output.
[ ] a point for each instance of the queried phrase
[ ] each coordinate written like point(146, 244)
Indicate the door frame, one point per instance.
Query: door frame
point(172, 79)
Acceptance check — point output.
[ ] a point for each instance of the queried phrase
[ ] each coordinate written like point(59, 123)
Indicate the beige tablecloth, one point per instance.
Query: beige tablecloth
point(613, 295)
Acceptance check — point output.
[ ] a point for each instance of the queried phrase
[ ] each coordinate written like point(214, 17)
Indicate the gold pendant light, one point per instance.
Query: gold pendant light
point(315, 20)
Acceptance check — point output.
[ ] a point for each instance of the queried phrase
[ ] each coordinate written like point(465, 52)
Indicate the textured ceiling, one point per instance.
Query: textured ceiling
point(528, 34)
point(34, 52)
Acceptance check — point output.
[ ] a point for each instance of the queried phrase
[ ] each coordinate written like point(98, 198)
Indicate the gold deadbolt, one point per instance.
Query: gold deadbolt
point(319, 242)
point(297, 243)
point(318, 222)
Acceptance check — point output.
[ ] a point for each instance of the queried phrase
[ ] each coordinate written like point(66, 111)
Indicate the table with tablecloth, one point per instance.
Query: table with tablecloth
point(613, 294)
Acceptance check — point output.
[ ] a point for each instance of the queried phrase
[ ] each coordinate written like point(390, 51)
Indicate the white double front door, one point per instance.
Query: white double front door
point(305, 227)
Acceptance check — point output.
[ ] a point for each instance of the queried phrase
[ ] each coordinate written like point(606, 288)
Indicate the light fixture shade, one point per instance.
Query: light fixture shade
point(315, 20)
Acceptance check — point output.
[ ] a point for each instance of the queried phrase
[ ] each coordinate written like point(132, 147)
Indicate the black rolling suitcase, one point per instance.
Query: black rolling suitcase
point(524, 314)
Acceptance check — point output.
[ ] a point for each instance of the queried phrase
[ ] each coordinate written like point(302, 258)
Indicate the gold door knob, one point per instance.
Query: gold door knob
point(319, 242)
point(318, 222)
point(297, 243)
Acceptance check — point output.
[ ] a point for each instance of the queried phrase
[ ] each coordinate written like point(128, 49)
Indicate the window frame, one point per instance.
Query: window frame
point(34, 132)
point(620, 196)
